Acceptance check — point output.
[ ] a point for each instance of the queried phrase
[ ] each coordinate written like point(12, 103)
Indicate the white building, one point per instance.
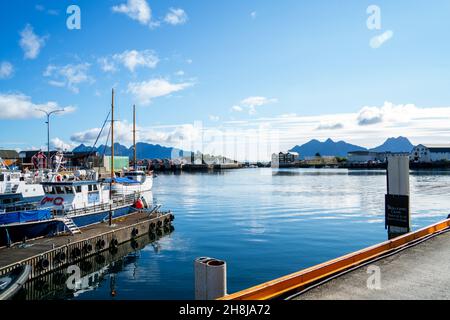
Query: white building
point(430, 153)
point(282, 159)
point(362, 157)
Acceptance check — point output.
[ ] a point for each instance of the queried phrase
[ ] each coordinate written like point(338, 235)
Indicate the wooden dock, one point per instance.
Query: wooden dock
point(48, 254)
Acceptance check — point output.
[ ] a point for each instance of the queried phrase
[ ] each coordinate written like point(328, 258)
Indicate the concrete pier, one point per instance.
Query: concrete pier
point(413, 266)
point(420, 272)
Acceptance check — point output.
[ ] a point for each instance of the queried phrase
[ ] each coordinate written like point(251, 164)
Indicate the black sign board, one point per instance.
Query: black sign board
point(397, 211)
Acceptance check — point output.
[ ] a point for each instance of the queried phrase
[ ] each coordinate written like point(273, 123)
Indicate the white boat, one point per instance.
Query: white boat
point(133, 182)
point(16, 187)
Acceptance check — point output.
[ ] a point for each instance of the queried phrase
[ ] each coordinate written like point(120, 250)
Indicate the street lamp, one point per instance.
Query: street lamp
point(48, 114)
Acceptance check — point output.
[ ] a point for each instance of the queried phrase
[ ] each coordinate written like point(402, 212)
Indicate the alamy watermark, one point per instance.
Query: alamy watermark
point(374, 280)
point(373, 23)
point(73, 21)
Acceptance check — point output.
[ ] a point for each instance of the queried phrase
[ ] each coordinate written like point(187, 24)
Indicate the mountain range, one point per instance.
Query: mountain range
point(143, 151)
point(309, 149)
point(341, 148)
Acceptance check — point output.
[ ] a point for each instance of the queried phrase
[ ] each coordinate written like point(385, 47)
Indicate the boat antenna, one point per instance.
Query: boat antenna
point(134, 137)
point(112, 135)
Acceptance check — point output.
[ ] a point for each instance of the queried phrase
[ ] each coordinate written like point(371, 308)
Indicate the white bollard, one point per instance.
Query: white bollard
point(210, 278)
point(398, 187)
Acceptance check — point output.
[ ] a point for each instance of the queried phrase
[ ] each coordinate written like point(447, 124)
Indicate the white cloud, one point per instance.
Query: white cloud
point(133, 59)
point(107, 65)
point(87, 136)
point(41, 8)
point(176, 16)
point(237, 108)
point(20, 106)
point(370, 115)
point(330, 126)
point(31, 43)
point(130, 59)
point(214, 118)
point(378, 41)
point(251, 103)
point(170, 135)
point(6, 70)
point(146, 91)
point(257, 138)
point(58, 144)
point(69, 76)
point(179, 73)
point(138, 10)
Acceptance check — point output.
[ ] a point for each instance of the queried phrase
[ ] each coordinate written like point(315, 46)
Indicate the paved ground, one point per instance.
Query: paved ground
point(420, 272)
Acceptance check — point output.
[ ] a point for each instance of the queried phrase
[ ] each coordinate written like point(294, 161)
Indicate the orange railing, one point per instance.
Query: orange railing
point(302, 279)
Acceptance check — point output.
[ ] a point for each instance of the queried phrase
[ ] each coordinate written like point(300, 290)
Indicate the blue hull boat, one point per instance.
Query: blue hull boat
point(21, 226)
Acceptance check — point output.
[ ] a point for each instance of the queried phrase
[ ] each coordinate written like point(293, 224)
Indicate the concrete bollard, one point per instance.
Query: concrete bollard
point(210, 278)
point(398, 216)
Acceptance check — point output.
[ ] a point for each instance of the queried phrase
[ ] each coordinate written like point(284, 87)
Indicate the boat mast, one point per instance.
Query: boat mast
point(134, 137)
point(112, 135)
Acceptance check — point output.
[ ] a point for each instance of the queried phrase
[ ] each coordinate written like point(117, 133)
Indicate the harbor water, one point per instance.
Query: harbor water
point(265, 223)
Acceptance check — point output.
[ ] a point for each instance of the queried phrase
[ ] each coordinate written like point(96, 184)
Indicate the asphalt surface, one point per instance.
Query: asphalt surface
point(419, 272)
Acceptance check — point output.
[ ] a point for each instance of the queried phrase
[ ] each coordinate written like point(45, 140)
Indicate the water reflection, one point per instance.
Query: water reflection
point(98, 270)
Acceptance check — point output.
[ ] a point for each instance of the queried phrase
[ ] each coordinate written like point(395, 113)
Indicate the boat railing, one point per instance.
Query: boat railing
point(117, 201)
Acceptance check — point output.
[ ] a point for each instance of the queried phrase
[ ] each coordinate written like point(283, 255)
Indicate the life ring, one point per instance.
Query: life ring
point(76, 252)
point(43, 264)
point(100, 244)
point(87, 248)
point(60, 257)
point(134, 232)
point(58, 201)
point(58, 178)
point(114, 243)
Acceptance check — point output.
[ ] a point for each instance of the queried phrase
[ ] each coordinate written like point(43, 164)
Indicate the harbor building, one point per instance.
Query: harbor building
point(285, 159)
point(362, 157)
point(430, 153)
point(366, 156)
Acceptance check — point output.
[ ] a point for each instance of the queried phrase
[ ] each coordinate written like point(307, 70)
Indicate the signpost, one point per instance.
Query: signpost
point(397, 211)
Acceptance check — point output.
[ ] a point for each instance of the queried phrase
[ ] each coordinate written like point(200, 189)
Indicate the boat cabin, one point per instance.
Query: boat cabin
point(74, 195)
point(136, 176)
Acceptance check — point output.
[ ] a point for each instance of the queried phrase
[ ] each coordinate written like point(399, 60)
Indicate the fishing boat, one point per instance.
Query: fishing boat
point(16, 187)
point(19, 189)
point(12, 282)
point(68, 206)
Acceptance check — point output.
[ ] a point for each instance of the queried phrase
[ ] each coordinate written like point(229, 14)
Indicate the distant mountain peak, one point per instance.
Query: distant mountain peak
point(326, 148)
point(399, 144)
point(143, 150)
point(342, 148)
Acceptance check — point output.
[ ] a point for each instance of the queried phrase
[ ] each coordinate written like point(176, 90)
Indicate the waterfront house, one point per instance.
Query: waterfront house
point(430, 153)
point(285, 159)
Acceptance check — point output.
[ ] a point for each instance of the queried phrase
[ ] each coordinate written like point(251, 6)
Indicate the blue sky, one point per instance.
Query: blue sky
point(238, 72)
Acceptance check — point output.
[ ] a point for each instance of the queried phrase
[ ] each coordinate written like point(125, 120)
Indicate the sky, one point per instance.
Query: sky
point(238, 78)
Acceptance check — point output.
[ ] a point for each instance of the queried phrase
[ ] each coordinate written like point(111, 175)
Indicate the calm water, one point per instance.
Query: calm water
point(265, 224)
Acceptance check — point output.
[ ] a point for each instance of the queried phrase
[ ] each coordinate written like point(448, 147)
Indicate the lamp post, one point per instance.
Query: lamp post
point(48, 114)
